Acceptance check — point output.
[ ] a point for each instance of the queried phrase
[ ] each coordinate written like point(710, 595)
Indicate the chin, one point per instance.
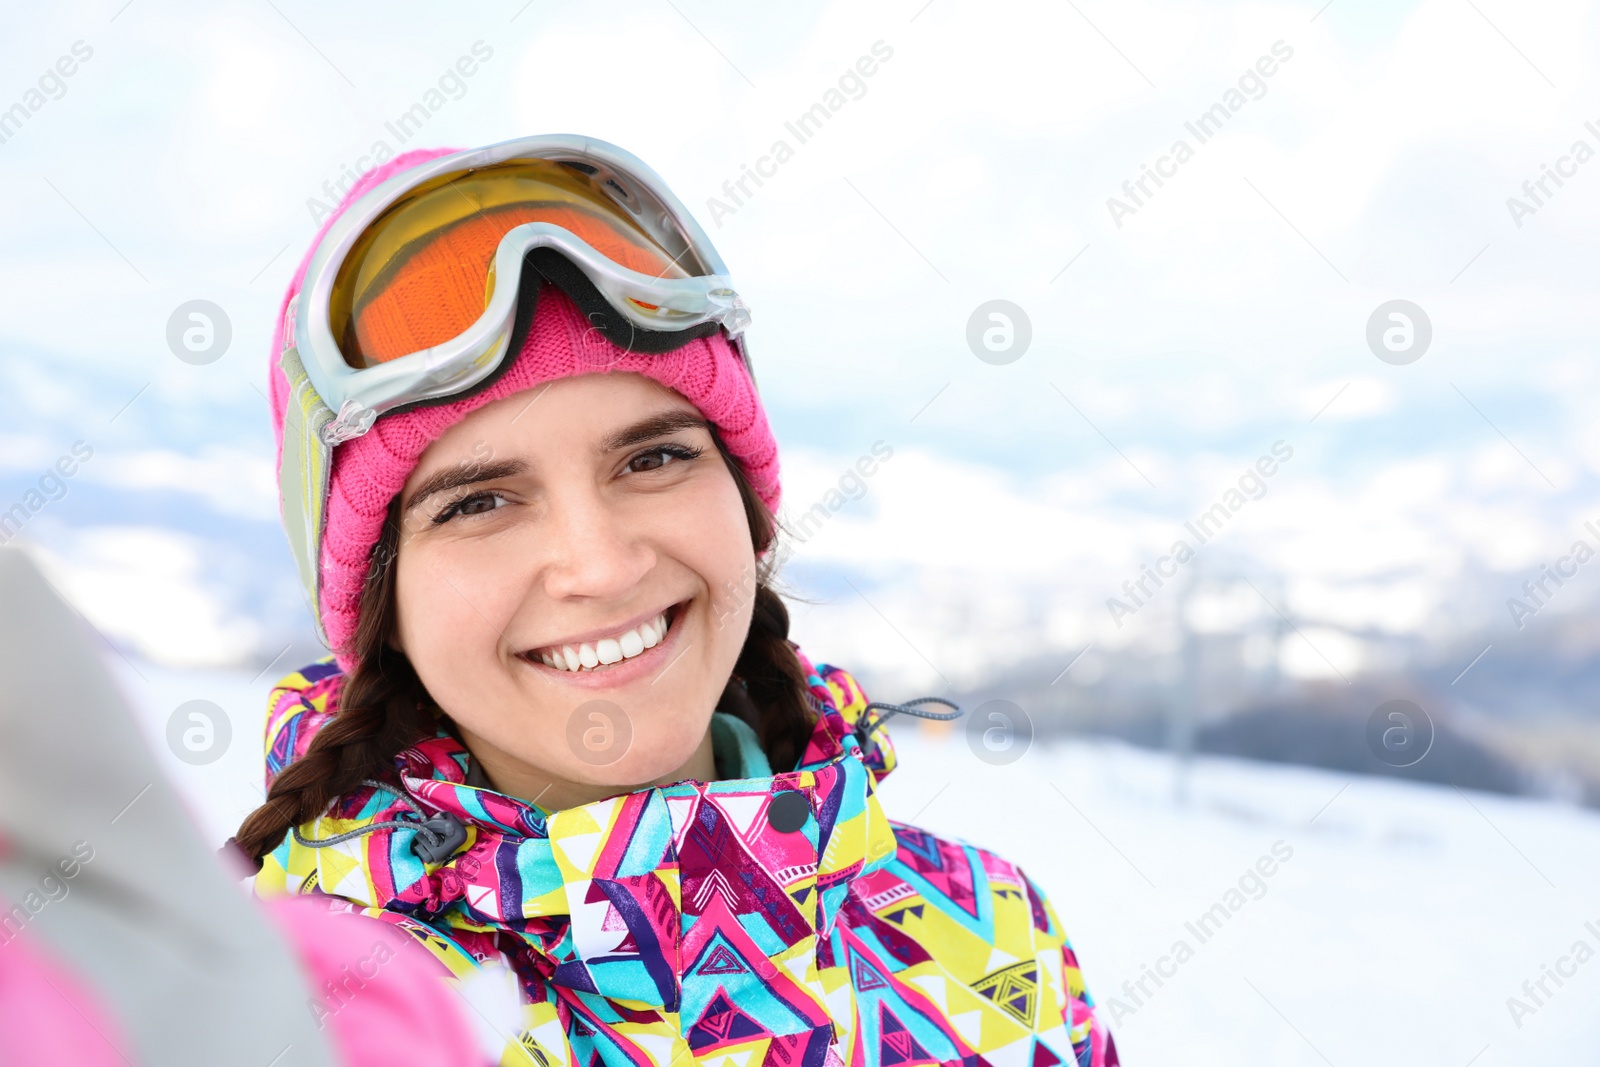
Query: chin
point(654, 707)
point(654, 756)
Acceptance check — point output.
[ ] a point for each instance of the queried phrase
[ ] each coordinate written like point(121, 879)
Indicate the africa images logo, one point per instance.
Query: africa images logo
point(805, 126)
point(1205, 126)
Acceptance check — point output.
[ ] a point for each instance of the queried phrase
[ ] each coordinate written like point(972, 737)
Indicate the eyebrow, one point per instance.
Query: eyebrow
point(467, 473)
point(655, 426)
point(472, 472)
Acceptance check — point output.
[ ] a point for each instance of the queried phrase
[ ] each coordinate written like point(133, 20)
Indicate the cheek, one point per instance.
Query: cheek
point(447, 611)
point(716, 545)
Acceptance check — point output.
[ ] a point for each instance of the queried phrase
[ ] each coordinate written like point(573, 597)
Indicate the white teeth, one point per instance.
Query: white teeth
point(607, 650)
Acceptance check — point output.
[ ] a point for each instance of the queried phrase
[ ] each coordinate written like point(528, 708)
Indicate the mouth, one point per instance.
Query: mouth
point(600, 654)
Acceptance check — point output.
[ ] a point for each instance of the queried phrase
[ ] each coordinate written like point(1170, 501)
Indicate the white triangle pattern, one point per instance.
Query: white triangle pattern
point(682, 811)
point(483, 897)
point(552, 1037)
point(998, 959)
point(796, 966)
point(353, 885)
point(933, 986)
point(741, 810)
point(840, 1001)
point(657, 1046)
point(601, 811)
point(590, 937)
point(969, 1024)
point(1017, 1054)
point(579, 849)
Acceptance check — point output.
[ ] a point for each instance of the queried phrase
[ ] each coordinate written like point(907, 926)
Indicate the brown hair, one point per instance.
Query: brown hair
point(383, 707)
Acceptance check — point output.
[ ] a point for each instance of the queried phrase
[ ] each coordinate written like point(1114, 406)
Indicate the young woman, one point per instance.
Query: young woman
point(530, 487)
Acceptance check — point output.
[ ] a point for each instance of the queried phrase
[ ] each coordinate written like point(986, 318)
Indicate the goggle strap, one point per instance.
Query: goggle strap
point(552, 266)
point(303, 469)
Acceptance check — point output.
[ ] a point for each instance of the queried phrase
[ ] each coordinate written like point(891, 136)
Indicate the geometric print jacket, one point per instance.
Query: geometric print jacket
point(678, 926)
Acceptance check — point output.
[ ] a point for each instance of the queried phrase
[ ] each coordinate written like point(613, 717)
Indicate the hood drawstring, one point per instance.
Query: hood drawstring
point(864, 731)
point(437, 835)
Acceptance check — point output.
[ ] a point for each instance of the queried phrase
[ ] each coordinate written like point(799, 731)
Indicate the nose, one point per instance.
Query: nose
point(592, 552)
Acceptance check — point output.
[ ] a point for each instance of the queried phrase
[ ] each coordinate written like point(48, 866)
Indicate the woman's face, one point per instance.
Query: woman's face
point(544, 541)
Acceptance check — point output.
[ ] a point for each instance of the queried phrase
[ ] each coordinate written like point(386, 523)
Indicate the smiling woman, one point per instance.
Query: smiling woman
point(563, 730)
point(609, 513)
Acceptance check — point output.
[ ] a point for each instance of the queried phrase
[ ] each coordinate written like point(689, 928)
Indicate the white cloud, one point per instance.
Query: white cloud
point(24, 452)
point(143, 588)
point(1357, 398)
point(232, 480)
point(975, 569)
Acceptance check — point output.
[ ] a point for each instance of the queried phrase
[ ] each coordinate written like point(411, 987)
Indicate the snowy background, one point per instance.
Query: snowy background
point(187, 155)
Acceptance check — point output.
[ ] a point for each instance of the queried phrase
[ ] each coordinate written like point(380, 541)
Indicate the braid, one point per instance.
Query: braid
point(381, 711)
point(774, 696)
point(775, 682)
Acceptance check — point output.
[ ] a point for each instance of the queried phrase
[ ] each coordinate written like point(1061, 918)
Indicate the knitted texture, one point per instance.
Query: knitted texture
point(368, 471)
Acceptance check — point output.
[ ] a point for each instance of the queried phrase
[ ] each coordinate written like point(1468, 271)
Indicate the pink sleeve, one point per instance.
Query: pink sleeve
point(47, 1015)
point(379, 992)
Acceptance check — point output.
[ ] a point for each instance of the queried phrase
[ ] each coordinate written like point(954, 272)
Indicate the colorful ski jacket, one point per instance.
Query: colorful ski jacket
point(718, 923)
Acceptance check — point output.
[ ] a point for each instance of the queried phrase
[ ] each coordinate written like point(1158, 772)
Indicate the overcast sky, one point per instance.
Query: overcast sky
point(1354, 154)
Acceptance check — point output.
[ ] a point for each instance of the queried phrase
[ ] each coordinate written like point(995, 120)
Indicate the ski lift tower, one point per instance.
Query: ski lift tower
point(1182, 712)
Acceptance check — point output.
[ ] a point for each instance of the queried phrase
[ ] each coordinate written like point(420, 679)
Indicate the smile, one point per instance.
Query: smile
point(597, 654)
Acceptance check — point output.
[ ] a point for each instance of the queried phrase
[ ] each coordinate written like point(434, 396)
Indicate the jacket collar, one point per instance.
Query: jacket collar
point(599, 893)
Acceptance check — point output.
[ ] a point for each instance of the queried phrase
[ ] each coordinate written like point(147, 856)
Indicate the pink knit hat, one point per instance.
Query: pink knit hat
point(368, 471)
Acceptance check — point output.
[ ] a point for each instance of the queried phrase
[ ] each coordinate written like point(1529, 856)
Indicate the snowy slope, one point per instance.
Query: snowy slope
point(1403, 919)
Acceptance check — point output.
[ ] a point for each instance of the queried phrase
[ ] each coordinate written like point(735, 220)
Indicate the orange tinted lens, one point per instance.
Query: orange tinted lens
point(420, 273)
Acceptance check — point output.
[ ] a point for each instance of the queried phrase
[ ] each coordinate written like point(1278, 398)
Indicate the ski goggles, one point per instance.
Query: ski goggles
point(425, 288)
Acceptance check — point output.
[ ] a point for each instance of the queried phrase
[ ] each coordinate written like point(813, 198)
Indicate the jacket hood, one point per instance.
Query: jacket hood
point(604, 899)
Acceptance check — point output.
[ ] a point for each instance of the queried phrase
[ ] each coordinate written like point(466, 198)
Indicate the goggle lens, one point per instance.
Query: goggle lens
point(423, 271)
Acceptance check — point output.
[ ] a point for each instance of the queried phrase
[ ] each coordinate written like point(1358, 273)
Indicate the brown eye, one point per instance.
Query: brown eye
point(656, 458)
point(476, 504)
